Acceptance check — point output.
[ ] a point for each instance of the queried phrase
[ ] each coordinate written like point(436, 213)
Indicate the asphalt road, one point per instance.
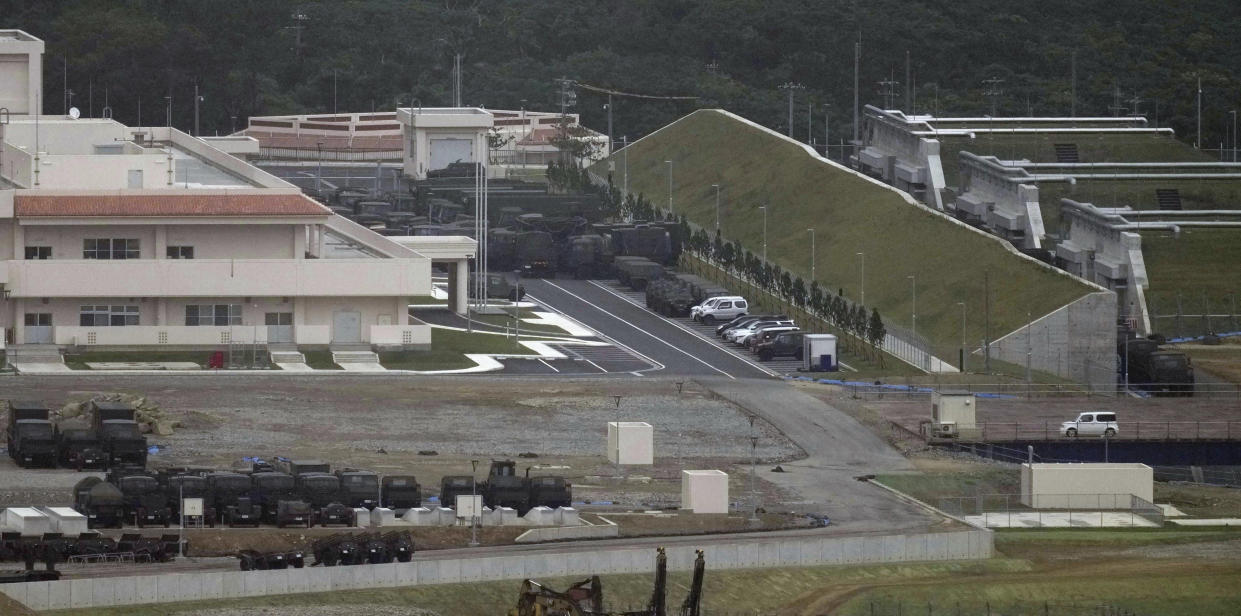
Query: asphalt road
point(630, 326)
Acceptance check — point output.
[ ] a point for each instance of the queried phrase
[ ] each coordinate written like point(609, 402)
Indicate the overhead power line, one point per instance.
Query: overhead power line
point(586, 86)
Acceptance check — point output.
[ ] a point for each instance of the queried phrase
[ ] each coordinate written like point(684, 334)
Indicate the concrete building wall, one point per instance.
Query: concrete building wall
point(21, 71)
point(1085, 486)
point(1077, 342)
point(66, 241)
point(739, 554)
point(237, 241)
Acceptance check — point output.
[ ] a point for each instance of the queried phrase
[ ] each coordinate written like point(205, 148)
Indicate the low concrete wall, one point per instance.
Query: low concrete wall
point(793, 551)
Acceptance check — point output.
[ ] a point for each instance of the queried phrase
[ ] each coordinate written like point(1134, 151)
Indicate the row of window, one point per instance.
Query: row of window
point(119, 316)
point(110, 249)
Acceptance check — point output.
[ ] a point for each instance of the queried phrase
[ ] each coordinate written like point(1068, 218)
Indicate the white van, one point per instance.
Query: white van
point(1100, 423)
point(724, 309)
point(696, 312)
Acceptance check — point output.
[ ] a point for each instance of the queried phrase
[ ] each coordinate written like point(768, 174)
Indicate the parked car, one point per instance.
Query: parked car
point(726, 309)
point(741, 334)
point(695, 311)
point(746, 320)
point(765, 334)
point(782, 345)
point(1091, 424)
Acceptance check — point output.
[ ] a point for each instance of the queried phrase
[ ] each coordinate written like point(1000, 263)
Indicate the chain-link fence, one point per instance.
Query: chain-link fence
point(1222, 476)
point(905, 607)
point(1189, 316)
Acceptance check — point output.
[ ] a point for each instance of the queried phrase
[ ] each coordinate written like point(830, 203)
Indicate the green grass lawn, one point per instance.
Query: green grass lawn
point(448, 349)
point(1198, 262)
point(320, 360)
point(850, 215)
point(506, 320)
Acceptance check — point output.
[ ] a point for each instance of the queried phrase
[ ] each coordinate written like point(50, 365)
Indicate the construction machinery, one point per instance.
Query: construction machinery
point(585, 598)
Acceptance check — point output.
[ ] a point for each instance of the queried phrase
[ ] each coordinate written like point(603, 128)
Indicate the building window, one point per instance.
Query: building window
point(38, 319)
point(180, 252)
point(213, 314)
point(110, 249)
point(38, 252)
point(108, 316)
point(278, 318)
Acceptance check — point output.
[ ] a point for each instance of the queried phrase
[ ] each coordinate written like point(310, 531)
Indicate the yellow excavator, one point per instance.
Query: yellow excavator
point(585, 598)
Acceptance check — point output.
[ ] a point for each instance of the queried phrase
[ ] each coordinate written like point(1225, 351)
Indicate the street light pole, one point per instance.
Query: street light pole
point(319, 169)
point(862, 279)
point(811, 230)
point(717, 207)
point(753, 466)
point(669, 185)
point(609, 108)
point(913, 288)
point(764, 209)
point(473, 504)
point(1234, 134)
point(962, 305)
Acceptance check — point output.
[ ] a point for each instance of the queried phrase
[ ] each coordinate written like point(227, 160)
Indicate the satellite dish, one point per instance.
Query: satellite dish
point(74, 113)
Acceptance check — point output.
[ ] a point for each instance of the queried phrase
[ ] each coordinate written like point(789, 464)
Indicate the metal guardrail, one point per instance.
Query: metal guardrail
point(911, 389)
point(1229, 477)
point(111, 558)
point(1129, 431)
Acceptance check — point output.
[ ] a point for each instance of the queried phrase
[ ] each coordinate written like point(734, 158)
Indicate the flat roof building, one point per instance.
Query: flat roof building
point(21, 72)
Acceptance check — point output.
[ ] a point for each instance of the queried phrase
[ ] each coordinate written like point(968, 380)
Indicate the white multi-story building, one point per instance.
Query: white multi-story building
point(148, 237)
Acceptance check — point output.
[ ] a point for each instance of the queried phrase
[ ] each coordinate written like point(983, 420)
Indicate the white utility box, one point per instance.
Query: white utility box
point(956, 408)
point(704, 491)
point(65, 520)
point(28, 521)
point(469, 506)
point(631, 442)
point(1096, 486)
point(820, 353)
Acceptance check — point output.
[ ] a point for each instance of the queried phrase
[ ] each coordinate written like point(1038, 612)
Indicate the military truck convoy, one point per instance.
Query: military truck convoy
point(113, 437)
point(504, 488)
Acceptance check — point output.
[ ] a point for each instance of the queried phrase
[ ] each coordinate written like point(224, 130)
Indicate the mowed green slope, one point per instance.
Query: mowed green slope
point(850, 214)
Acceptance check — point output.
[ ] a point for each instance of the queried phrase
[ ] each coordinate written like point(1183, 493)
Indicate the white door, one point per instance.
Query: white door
point(38, 328)
point(346, 326)
point(445, 151)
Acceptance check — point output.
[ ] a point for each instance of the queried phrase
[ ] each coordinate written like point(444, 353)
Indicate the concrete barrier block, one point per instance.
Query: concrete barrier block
point(38, 595)
point(809, 552)
point(790, 553)
point(16, 592)
point(508, 516)
point(493, 568)
point(254, 583)
point(277, 582)
point(852, 548)
point(769, 554)
point(234, 584)
point(296, 582)
point(568, 516)
point(81, 593)
point(958, 546)
point(748, 555)
point(450, 570)
point(104, 594)
point(361, 517)
point(831, 551)
point(386, 575)
point(515, 568)
point(428, 571)
point(146, 589)
point(211, 585)
point(445, 516)
point(915, 547)
point(406, 574)
point(124, 588)
point(893, 548)
point(59, 595)
point(421, 516)
point(318, 579)
point(722, 556)
point(168, 588)
point(540, 516)
point(382, 516)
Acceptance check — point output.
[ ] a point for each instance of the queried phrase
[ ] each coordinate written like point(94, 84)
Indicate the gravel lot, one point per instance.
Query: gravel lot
point(383, 423)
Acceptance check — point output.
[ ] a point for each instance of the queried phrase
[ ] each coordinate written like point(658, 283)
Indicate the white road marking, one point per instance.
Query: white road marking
point(596, 365)
point(688, 329)
point(548, 365)
point(618, 344)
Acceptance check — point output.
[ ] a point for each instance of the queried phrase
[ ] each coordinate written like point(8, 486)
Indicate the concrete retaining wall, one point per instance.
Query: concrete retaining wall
point(774, 552)
point(1077, 342)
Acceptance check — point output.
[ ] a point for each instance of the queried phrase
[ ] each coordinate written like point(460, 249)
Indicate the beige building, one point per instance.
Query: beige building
point(116, 236)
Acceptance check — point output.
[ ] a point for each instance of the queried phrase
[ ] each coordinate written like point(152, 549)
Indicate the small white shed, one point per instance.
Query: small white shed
point(631, 442)
point(820, 353)
point(704, 491)
point(65, 520)
point(1087, 485)
point(28, 521)
point(954, 407)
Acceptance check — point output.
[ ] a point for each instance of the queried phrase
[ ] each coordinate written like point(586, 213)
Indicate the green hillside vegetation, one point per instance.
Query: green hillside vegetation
point(850, 214)
point(1091, 147)
point(1200, 261)
point(1196, 194)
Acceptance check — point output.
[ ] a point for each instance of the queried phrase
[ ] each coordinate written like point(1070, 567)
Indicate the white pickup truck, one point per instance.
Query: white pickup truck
point(1091, 424)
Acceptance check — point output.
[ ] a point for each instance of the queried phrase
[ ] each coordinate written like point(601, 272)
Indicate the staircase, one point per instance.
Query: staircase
point(35, 354)
point(1168, 198)
point(353, 354)
point(285, 354)
point(1067, 153)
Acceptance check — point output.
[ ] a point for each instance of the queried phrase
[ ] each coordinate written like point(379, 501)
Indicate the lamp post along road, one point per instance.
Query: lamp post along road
point(669, 185)
point(811, 230)
point(717, 206)
point(862, 278)
point(962, 305)
point(913, 289)
point(473, 504)
point(764, 209)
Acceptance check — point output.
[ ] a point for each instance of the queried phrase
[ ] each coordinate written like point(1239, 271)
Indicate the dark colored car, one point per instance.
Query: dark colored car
point(782, 345)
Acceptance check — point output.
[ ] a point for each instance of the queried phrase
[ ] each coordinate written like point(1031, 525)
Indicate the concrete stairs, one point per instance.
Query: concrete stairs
point(36, 358)
point(285, 354)
point(355, 357)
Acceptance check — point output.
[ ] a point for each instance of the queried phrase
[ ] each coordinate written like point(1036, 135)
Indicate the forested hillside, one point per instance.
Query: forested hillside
point(258, 57)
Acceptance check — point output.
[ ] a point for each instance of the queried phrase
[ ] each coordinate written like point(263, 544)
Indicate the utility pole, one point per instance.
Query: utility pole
point(1073, 86)
point(889, 91)
point(609, 108)
point(790, 87)
point(986, 310)
point(1198, 141)
point(1116, 108)
point(197, 99)
point(857, 60)
point(810, 124)
point(1136, 101)
point(909, 105)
